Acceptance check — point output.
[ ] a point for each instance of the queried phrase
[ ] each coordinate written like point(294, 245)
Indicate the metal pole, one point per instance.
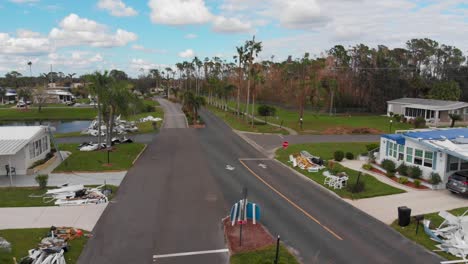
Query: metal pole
point(277, 249)
point(9, 171)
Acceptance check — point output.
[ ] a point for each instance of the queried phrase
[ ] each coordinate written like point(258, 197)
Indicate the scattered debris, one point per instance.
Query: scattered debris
point(150, 119)
point(452, 234)
point(120, 127)
point(5, 245)
point(262, 165)
point(336, 181)
point(229, 167)
point(306, 161)
point(76, 195)
point(52, 248)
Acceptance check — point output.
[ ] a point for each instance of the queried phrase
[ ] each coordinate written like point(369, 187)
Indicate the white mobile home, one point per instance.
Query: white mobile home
point(433, 111)
point(21, 146)
point(444, 151)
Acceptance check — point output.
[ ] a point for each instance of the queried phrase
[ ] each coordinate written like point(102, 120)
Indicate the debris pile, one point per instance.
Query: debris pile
point(5, 245)
point(306, 161)
point(75, 195)
point(150, 118)
point(120, 127)
point(52, 248)
point(452, 234)
point(90, 146)
point(335, 181)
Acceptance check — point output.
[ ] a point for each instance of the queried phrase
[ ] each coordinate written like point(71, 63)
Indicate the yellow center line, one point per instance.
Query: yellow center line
point(291, 202)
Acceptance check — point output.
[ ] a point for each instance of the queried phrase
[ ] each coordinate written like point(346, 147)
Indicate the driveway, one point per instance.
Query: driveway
point(84, 217)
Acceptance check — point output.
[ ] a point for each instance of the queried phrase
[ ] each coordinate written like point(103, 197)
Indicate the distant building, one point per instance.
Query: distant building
point(59, 97)
point(433, 111)
point(21, 146)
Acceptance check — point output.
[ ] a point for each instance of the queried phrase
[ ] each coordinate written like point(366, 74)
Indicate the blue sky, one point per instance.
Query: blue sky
point(87, 35)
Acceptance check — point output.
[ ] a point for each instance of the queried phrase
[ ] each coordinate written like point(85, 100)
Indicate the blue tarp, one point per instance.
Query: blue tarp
point(398, 138)
point(439, 134)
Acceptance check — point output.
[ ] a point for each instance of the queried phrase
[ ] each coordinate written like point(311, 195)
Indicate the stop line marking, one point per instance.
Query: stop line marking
point(224, 250)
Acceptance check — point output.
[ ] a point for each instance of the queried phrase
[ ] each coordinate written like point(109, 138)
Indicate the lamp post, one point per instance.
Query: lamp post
point(390, 128)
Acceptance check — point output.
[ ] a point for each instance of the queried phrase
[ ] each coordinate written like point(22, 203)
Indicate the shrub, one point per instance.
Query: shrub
point(42, 180)
point(403, 180)
point(435, 178)
point(365, 154)
point(338, 155)
point(356, 187)
point(388, 165)
point(391, 113)
point(397, 117)
point(372, 146)
point(390, 174)
point(403, 169)
point(366, 166)
point(419, 122)
point(417, 183)
point(349, 156)
point(149, 108)
point(414, 172)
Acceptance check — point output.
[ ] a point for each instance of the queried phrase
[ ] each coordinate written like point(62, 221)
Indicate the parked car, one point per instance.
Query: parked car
point(21, 104)
point(458, 182)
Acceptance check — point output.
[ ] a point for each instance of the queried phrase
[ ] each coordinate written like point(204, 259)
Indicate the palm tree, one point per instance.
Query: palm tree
point(30, 68)
point(252, 48)
point(258, 78)
point(199, 64)
point(240, 57)
point(99, 83)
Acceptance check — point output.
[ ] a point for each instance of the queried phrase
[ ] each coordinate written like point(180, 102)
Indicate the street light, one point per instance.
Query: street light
point(391, 122)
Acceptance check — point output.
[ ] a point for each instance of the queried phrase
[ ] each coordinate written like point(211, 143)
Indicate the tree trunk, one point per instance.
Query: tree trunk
point(248, 95)
point(253, 108)
point(99, 121)
point(331, 101)
point(239, 90)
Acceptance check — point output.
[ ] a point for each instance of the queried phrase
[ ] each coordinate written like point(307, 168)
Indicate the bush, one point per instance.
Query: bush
point(372, 146)
point(356, 187)
point(417, 183)
point(435, 178)
point(419, 122)
point(388, 165)
point(403, 169)
point(391, 113)
point(397, 117)
point(42, 180)
point(364, 154)
point(414, 172)
point(149, 108)
point(338, 155)
point(366, 166)
point(390, 174)
point(403, 180)
point(349, 156)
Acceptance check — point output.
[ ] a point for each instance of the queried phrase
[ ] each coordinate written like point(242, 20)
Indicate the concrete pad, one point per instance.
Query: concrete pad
point(84, 217)
point(384, 208)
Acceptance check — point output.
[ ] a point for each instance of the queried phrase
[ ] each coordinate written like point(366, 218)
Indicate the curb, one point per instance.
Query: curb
point(139, 154)
point(252, 143)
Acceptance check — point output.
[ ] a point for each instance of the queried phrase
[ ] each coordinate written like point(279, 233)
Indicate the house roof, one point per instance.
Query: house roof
point(439, 134)
point(14, 138)
point(398, 138)
point(431, 104)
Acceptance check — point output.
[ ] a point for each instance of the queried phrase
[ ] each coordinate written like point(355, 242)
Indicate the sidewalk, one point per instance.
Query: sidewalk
point(384, 208)
point(84, 217)
point(56, 179)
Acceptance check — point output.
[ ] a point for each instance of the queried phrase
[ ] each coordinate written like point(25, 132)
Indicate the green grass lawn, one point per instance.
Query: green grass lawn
point(264, 256)
point(19, 196)
point(317, 123)
point(242, 125)
point(72, 113)
point(423, 239)
point(373, 187)
point(121, 158)
point(23, 240)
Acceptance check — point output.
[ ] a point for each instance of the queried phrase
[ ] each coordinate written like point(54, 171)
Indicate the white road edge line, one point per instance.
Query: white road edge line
point(191, 253)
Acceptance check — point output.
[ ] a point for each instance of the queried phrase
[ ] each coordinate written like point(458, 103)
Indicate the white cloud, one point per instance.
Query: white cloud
point(147, 50)
point(25, 43)
point(117, 8)
point(190, 36)
point(76, 60)
point(74, 30)
point(179, 12)
point(230, 25)
point(188, 53)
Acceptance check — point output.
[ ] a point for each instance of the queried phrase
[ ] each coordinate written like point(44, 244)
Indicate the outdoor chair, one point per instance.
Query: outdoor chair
point(12, 170)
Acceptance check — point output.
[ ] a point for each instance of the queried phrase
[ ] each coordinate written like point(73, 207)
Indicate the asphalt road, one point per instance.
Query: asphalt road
point(173, 115)
point(173, 199)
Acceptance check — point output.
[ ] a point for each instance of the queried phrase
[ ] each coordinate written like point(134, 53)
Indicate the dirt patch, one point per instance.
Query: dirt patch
point(350, 130)
point(197, 126)
point(253, 236)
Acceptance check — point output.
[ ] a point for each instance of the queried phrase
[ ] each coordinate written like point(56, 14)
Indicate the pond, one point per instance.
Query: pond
point(60, 126)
